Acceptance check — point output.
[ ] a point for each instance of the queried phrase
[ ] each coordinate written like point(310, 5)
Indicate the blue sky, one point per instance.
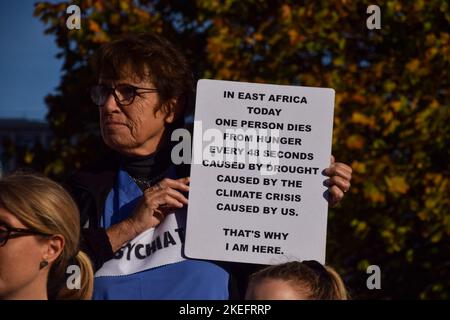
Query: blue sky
point(28, 67)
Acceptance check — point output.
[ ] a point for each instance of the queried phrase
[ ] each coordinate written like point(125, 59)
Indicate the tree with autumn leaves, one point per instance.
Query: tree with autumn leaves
point(391, 113)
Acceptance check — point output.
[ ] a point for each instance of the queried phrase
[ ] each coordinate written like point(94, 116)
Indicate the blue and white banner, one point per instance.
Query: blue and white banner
point(151, 249)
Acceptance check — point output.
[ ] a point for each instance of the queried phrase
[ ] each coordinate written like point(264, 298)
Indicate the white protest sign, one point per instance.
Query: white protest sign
point(257, 189)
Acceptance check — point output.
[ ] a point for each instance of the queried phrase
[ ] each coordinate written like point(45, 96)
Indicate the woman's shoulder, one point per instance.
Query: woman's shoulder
point(95, 174)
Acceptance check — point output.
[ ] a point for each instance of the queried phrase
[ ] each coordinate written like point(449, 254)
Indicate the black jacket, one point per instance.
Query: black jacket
point(90, 187)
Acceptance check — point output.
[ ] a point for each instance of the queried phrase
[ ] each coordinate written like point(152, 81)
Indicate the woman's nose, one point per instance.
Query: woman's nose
point(110, 104)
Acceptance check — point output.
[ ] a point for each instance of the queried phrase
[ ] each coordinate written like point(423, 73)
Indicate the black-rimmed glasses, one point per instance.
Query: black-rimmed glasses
point(124, 94)
point(7, 232)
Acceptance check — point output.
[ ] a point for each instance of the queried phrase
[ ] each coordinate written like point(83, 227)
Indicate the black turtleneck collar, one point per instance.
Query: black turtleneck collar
point(139, 167)
point(150, 167)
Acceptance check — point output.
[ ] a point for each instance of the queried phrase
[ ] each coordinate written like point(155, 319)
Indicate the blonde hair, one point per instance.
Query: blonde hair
point(310, 278)
point(43, 205)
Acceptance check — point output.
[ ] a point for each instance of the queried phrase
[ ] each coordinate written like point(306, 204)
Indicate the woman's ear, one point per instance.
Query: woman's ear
point(53, 248)
point(170, 115)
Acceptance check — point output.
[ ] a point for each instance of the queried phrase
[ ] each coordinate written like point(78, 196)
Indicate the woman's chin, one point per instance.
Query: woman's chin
point(118, 143)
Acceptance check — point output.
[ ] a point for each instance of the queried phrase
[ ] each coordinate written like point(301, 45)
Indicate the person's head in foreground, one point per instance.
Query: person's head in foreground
point(307, 280)
point(39, 237)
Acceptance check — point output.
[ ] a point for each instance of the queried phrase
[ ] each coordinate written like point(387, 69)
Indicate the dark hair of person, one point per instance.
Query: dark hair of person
point(149, 56)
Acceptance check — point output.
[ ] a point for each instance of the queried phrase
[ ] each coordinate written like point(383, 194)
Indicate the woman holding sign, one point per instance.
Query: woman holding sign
point(133, 204)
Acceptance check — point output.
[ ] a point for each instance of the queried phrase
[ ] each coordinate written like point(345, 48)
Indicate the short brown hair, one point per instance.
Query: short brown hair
point(149, 56)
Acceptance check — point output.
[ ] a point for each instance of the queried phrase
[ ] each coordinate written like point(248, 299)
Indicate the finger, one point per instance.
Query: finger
point(165, 200)
point(340, 182)
point(169, 191)
point(338, 170)
point(177, 195)
point(154, 188)
point(158, 215)
point(343, 166)
point(181, 184)
point(185, 180)
point(164, 206)
point(336, 195)
point(340, 166)
point(166, 184)
point(332, 159)
point(159, 201)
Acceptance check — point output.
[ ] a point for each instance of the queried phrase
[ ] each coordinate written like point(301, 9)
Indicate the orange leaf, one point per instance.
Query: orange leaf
point(94, 26)
point(355, 141)
point(397, 184)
